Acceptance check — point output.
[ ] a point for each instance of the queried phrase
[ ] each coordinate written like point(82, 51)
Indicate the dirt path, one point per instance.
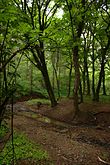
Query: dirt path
point(66, 145)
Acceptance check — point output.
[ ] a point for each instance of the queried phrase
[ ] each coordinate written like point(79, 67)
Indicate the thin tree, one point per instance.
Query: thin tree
point(42, 11)
point(75, 50)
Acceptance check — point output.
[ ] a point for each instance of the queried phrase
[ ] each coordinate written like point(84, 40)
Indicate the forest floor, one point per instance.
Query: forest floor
point(83, 141)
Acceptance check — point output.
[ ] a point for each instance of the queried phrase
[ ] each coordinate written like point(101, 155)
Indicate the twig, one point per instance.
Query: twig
point(103, 161)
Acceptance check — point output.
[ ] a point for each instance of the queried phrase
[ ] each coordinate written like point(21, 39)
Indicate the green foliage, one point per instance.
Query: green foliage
point(103, 98)
point(35, 101)
point(23, 149)
point(3, 130)
point(21, 26)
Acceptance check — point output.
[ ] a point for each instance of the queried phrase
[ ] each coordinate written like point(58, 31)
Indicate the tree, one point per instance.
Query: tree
point(104, 46)
point(39, 20)
point(101, 37)
point(85, 72)
point(76, 37)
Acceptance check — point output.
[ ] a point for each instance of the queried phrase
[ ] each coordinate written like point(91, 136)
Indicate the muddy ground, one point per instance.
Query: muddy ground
point(84, 141)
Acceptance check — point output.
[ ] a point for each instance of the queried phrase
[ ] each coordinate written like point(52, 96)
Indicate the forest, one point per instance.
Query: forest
point(55, 80)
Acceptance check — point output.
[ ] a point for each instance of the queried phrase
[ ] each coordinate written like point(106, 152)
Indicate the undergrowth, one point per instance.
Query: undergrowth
point(36, 101)
point(23, 149)
point(3, 130)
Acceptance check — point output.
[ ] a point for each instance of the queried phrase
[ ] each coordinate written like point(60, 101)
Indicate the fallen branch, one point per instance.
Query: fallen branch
point(103, 161)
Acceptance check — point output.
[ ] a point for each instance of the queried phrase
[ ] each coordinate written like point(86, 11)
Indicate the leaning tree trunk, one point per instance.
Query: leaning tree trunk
point(39, 58)
point(48, 85)
point(46, 75)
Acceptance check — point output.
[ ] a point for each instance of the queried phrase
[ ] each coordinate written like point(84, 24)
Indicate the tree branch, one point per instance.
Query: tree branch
point(2, 45)
point(12, 56)
point(103, 161)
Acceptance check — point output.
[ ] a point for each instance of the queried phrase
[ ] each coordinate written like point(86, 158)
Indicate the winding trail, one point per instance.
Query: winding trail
point(65, 145)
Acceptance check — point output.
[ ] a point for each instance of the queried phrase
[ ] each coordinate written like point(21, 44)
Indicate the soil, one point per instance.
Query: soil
point(82, 141)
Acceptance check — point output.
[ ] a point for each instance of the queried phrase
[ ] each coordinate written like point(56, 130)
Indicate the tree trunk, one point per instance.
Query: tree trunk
point(69, 83)
point(93, 71)
point(48, 86)
point(77, 78)
point(104, 88)
point(58, 84)
point(31, 78)
point(57, 72)
point(86, 73)
point(93, 80)
point(103, 52)
point(100, 77)
point(88, 82)
point(84, 82)
point(41, 65)
point(81, 93)
point(86, 76)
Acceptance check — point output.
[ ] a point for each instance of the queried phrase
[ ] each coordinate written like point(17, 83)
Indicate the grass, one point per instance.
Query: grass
point(102, 98)
point(23, 149)
point(105, 99)
point(35, 101)
point(3, 130)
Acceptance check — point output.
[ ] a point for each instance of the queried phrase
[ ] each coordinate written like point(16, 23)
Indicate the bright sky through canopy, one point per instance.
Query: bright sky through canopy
point(59, 12)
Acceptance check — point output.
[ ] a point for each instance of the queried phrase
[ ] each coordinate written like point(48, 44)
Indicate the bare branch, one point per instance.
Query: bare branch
point(50, 19)
point(17, 4)
point(103, 161)
point(38, 63)
point(44, 12)
point(31, 60)
point(31, 13)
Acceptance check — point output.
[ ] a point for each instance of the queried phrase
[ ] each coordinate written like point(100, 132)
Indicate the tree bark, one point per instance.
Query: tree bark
point(100, 76)
point(69, 83)
point(77, 78)
point(86, 72)
point(104, 88)
point(39, 58)
point(31, 78)
point(81, 93)
point(75, 50)
point(93, 71)
point(103, 52)
point(48, 86)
